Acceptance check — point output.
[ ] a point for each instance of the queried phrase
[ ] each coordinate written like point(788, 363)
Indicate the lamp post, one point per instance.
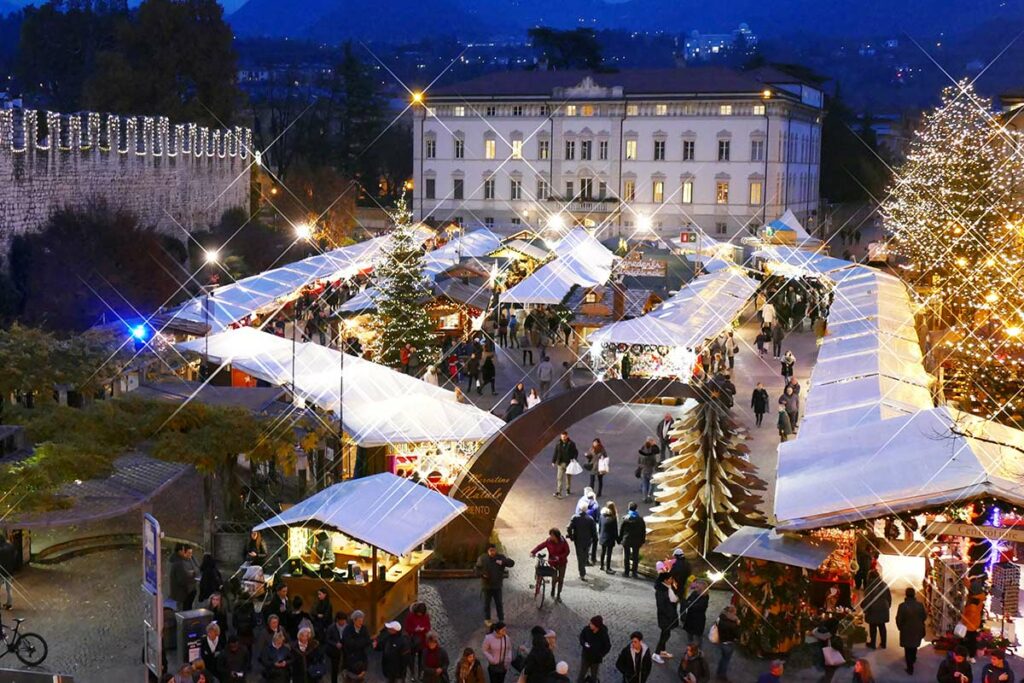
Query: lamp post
point(210, 257)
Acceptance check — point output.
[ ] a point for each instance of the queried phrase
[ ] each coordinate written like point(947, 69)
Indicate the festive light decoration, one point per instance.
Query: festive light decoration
point(957, 221)
point(399, 319)
point(706, 489)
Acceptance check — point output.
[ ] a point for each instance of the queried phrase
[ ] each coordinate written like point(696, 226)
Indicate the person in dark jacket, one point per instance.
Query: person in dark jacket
point(693, 667)
point(792, 403)
point(490, 567)
point(234, 663)
point(778, 334)
point(322, 614)
point(582, 531)
point(255, 549)
point(472, 371)
point(487, 376)
point(514, 410)
point(210, 579)
point(395, 652)
point(609, 535)
point(632, 534)
point(759, 403)
point(663, 429)
point(694, 612)
point(276, 660)
point(997, 670)
point(294, 619)
point(211, 648)
point(955, 668)
point(558, 552)
point(565, 453)
point(785, 426)
point(355, 644)
point(876, 603)
point(334, 646)
point(539, 664)
point(277, 604)
point(8, 557)
point(728, 633)
point(307, 658)
point(594, 647)
point(435, 660)
point(910, 618)
point(634, 661)
point(680, 570)
point(184, 573)
point(665, 598)
point(647, 464)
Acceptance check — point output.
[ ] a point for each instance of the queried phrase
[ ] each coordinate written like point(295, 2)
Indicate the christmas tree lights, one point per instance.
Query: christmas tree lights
point(954, 213)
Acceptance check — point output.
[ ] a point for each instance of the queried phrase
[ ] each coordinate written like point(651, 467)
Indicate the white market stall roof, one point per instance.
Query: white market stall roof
point(383, 510)
point(866, 391)
point(766, 544)
point(932, 458)
point(788, 221)
point(580, 259)
point(230, 303)
point(382, 406)
point(840, 347)
point(884, 362)
point(475, 244)
point(534, 251)
point(801, 260)
point(864, 415)
point(700, 310)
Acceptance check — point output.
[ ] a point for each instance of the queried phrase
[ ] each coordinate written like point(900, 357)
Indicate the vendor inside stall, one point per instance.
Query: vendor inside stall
point(361, 541)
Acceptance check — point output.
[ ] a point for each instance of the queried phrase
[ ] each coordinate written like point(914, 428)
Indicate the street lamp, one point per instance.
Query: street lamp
point(417, 97)
point(304, 231)
point(643, 223)
point(211, 256)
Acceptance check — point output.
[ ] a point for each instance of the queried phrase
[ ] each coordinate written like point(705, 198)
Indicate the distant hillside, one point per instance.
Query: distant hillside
point(408, 20)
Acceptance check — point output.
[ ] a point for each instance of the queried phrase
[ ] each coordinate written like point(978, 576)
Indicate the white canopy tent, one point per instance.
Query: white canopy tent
point(475, 244)
point(802, 261)
point(866, 391)
point(582, 246)
point(766, 544)
point(788, 221)
point(903, 329)
point(228, 304)
point(931, 458)
point(884, 362)
point(858, 416)
point(382, 406)
point(581, 260)
point(841, 347)
point(383, 510)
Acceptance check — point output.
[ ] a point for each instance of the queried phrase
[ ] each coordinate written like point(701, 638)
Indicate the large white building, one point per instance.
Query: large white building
point(624, 152)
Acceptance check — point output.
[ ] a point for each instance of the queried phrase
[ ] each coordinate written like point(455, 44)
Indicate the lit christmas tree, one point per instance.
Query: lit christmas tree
point(955, 216)
point(401, 318)
point(706, 489)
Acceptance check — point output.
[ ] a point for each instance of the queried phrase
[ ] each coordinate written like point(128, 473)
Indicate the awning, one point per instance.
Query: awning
point(883, 363)
point(858, 416)
point(904, 329)
point(382, 406)
point(866, 391)
point(802, 261)
point(766, 544)
point(476, 244)
point(905, 464)
point(840, 347)
point(385, 511)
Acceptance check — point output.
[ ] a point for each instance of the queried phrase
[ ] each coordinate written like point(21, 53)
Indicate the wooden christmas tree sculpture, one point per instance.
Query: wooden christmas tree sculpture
point(706, 489)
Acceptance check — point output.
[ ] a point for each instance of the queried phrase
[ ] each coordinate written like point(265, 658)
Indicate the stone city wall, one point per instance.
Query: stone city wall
point(178, 177)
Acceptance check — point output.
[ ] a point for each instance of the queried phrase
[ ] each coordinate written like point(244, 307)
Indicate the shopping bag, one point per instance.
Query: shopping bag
point(713, 634)
point(960, 630)
point(833, 657)
point(573, 468)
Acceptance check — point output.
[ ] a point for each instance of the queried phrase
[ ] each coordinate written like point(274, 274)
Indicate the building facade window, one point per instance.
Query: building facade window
point(602, 190)
point(586, 188)
point(632, 110)
point(543, 149)
point(457, 188)
point(569, 190)
point(602, 150)
point(570, 110)
point(570, 150)
point(757, 150)
point(587, 110)
point(542, 188)
point(489, 221)
point(659, 150)
point(759, 110)
point(658, 191)
point(756, 192)
point(459, 111)
point(517, 149)
point(722, 192)
point(630, 150)
point(491, 110)
point(429, 188)
point(686, 192)
point(460, 148)
point(721, 228)
point(517, 221)
point(725, 110)
point(661, 110)
point(431, 148)
point(490, 149)
point(723, 150)
point(689, 149)
point(516, 189)
point(489, 188)
point(629, 190)
point(585, 148)
point(517, 110)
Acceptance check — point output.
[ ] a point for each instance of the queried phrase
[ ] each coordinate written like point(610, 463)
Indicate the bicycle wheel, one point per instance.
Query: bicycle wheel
point(31, 649)
point(542, 585)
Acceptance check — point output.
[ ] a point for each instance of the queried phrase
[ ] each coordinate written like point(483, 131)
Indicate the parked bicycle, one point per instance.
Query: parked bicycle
point(542, 574)
point(30, 648)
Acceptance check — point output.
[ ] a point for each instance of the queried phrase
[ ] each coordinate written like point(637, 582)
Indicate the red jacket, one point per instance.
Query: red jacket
point(417, 626)
point(558, 552)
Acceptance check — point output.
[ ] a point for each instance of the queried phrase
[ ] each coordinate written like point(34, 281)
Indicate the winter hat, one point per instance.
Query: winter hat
point(562, 668)
point(678, 552)
point(393, 626)
point(597, 621)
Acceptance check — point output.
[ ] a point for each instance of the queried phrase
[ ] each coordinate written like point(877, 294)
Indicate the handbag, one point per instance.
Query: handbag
point(713, 634)
point(833, 657)
point(573, 468)
point(603, 465)
point(960, 630)
point(638, 471)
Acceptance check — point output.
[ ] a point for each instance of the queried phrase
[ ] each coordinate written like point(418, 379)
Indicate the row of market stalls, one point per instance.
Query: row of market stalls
point(665, 342)
point(880, 478)
point(579, 260)
point(403, 424)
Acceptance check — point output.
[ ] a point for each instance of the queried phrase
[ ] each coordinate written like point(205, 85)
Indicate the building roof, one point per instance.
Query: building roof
point(634, 301)
point(253, 399)
point(472, 294)
point(634, 82)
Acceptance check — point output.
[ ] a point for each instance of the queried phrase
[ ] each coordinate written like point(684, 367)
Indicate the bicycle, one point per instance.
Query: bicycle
point(30, 648)
point(542, 573)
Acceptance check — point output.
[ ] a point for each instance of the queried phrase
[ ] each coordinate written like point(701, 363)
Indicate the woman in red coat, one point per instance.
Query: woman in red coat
point(558, 558)
point(417, 626)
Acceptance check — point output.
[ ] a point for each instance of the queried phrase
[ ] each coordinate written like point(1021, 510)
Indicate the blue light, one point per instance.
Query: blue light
point(139, 332)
